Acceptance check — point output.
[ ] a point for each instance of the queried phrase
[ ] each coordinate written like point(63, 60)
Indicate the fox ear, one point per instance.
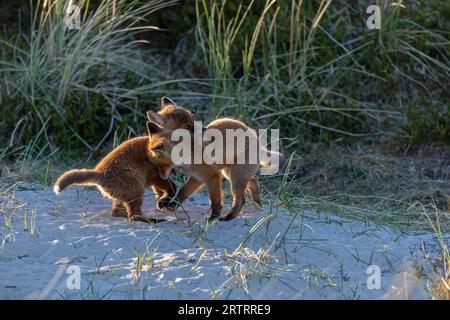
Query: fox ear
point(152, 128)
point(154, 117)
point(166, 101)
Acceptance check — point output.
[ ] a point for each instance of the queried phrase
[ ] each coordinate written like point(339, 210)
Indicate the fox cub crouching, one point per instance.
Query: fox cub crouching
point(125, 173)
point(240, 175)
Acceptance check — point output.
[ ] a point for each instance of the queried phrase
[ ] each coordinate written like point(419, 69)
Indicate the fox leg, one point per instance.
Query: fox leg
point(118, 209)
point(189, 188)
point(163, 188)
point(215, 197)
point(132, 200)
point(134, 208)
point(164, 191)
point(253, 188)
point(238, 186)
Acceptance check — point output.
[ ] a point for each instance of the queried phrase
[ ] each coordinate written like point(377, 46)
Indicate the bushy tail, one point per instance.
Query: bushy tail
point(266, 163)
point(77, 176)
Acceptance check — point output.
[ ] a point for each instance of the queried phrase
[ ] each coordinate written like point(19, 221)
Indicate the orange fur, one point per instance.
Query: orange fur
point(122, 176)
point(125, 173)
point(241, 176)
point(172, 116)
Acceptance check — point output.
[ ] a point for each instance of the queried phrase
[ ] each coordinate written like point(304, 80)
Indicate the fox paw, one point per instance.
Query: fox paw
point(167, 203)
point(227, 218)
point(212, 219)
point(162, 203)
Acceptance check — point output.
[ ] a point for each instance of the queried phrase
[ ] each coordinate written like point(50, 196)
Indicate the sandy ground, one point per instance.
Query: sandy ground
point(267, 254)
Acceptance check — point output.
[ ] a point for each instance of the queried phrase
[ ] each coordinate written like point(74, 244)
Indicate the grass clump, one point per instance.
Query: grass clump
point(77, 88)
point(314, 70)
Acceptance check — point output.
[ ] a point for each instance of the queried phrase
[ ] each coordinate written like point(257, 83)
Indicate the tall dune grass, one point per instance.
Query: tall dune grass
point(312, 69)
point(309, 70)
point(67, 85)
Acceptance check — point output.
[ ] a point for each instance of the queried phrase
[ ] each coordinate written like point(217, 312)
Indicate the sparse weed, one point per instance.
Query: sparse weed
point(144, 262)
point(440, 278)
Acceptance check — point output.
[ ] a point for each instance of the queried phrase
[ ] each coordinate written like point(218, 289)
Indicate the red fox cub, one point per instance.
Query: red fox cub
point(172, 116)
point(241, 176)
point(125, 173)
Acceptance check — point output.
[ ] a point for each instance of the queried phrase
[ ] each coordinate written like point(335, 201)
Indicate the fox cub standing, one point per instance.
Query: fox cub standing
point(241, 176)
point(125, 172)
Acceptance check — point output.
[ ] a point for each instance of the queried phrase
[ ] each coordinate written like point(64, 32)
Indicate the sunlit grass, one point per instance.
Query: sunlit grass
point(54, 78)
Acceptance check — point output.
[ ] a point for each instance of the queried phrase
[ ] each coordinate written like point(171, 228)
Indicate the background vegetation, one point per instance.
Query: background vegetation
point(364, 113)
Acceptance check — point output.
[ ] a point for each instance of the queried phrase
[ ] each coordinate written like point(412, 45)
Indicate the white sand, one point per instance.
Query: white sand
point(308, 256)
